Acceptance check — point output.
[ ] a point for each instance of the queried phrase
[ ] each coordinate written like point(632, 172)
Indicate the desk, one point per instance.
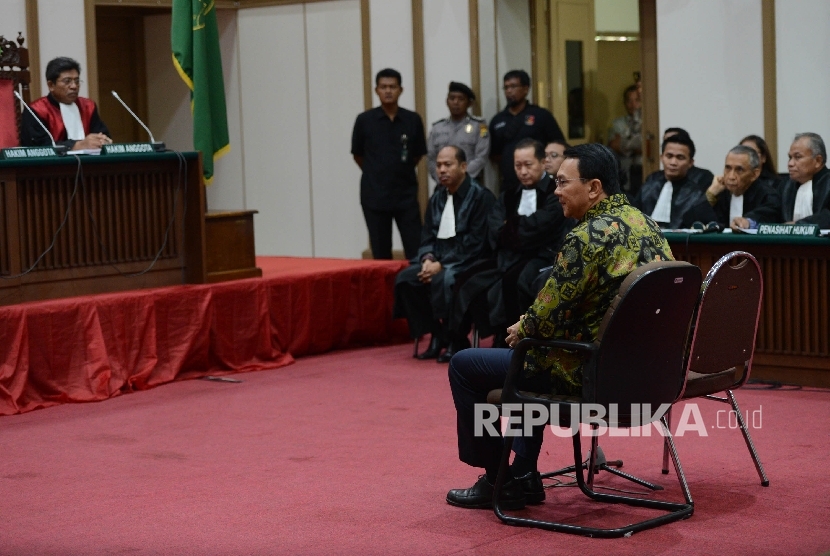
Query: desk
point(794, 332)
point(125, 212)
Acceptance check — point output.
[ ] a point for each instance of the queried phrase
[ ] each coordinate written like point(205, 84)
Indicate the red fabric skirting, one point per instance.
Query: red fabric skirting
point(91, 348)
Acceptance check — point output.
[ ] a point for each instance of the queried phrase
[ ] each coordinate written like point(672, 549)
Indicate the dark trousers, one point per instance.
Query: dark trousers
point(473, 373)
point(423, 305)
point(379, 224)
point(517, 288)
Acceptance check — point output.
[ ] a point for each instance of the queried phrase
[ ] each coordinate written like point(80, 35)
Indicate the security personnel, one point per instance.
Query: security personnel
point(519, 120)
point(462, 130)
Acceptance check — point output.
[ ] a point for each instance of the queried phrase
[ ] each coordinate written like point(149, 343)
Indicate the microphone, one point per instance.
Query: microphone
point(158, 146)
point(60, 150)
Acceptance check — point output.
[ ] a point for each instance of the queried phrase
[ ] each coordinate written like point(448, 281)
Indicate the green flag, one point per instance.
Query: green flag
point(194, 38)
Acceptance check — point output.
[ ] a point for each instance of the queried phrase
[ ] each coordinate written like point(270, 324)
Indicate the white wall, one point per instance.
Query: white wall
point(490, 92)
point(446, 52)
point(168, 112)
point(62, 32)
point(335, 82)
point(802, 41)
point(14, 20)
point(512, 40)
point(275, 122)
point(390, 23)
point(168, 98)
point(710, 73)
point(301, 86)
point(227, 191)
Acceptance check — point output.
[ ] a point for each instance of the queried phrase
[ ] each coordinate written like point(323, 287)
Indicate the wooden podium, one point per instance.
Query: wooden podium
point(230, 245)
point(94, 224)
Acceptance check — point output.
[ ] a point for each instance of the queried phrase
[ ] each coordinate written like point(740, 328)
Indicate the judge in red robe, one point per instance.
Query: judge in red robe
point(72, 120)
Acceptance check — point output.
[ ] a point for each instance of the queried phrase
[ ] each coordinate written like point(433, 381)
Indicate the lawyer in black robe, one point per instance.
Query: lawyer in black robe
point(689, 191)
point(522, 246)
point(762, 203)
point(425, 306)
point(821, 200)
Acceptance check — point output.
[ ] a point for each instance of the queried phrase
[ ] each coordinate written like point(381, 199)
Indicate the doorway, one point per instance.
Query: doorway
point(585, 54)
point(121, 65)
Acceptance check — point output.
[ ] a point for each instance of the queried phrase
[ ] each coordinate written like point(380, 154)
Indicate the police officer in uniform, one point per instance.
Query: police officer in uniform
point(462, 130)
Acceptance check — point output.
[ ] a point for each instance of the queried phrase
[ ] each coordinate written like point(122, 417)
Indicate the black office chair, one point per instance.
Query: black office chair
point(723, 338)
point(638, 358)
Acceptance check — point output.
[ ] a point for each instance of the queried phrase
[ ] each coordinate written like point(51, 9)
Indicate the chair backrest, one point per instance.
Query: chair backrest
point(14, 76)
point(643, 338)
point(726, 324)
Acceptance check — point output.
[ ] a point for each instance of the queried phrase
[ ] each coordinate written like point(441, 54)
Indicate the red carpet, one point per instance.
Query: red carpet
point(352, 452)
point(92, 348)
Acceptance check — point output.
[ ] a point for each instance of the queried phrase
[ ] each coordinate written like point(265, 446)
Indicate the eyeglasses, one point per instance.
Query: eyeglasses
point(67, 81)
point(512, 86)
point(560, 182)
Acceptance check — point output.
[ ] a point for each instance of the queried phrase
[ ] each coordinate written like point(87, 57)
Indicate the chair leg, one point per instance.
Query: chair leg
point(666, 445)
point(675, 511)
point(748, 439)
point(676, 461)
point(600, 463)
point(475, 336)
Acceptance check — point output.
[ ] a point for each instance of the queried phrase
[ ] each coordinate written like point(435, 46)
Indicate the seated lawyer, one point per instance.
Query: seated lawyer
point(805, 197)
point(668, 194)
point(611, 239)
point(525, 229)
point(72, 120)
point(453, 237)
point(738, 198)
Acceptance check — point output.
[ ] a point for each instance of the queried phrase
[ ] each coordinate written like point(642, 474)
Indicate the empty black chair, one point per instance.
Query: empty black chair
point(723, 338)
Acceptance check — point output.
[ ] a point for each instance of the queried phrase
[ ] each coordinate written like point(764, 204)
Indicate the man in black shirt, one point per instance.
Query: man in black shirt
point(387, 143)
point(518, 121)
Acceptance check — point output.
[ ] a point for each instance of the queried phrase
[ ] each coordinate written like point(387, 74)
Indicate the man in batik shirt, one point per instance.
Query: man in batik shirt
point(611, 239)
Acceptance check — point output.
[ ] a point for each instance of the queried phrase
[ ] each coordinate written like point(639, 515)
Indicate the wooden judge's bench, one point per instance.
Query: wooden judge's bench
point(793, 344)
point(94, 224)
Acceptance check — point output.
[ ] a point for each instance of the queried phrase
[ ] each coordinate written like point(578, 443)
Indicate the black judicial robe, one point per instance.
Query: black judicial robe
point(821, 200)
point(472, 204)
point(762, 203)
point(516, 240)
point(688, 192)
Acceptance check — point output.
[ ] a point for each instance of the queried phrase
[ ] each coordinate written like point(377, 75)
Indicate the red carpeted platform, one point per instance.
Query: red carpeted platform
point(92, 348)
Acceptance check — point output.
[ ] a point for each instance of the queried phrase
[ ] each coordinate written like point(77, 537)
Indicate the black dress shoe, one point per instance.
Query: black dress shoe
point(480, 495)
point(455, 347)
point(532, 487)
point(434, 349)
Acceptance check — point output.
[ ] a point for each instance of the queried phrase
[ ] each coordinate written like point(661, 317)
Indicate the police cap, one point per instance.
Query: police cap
point(456, 87)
